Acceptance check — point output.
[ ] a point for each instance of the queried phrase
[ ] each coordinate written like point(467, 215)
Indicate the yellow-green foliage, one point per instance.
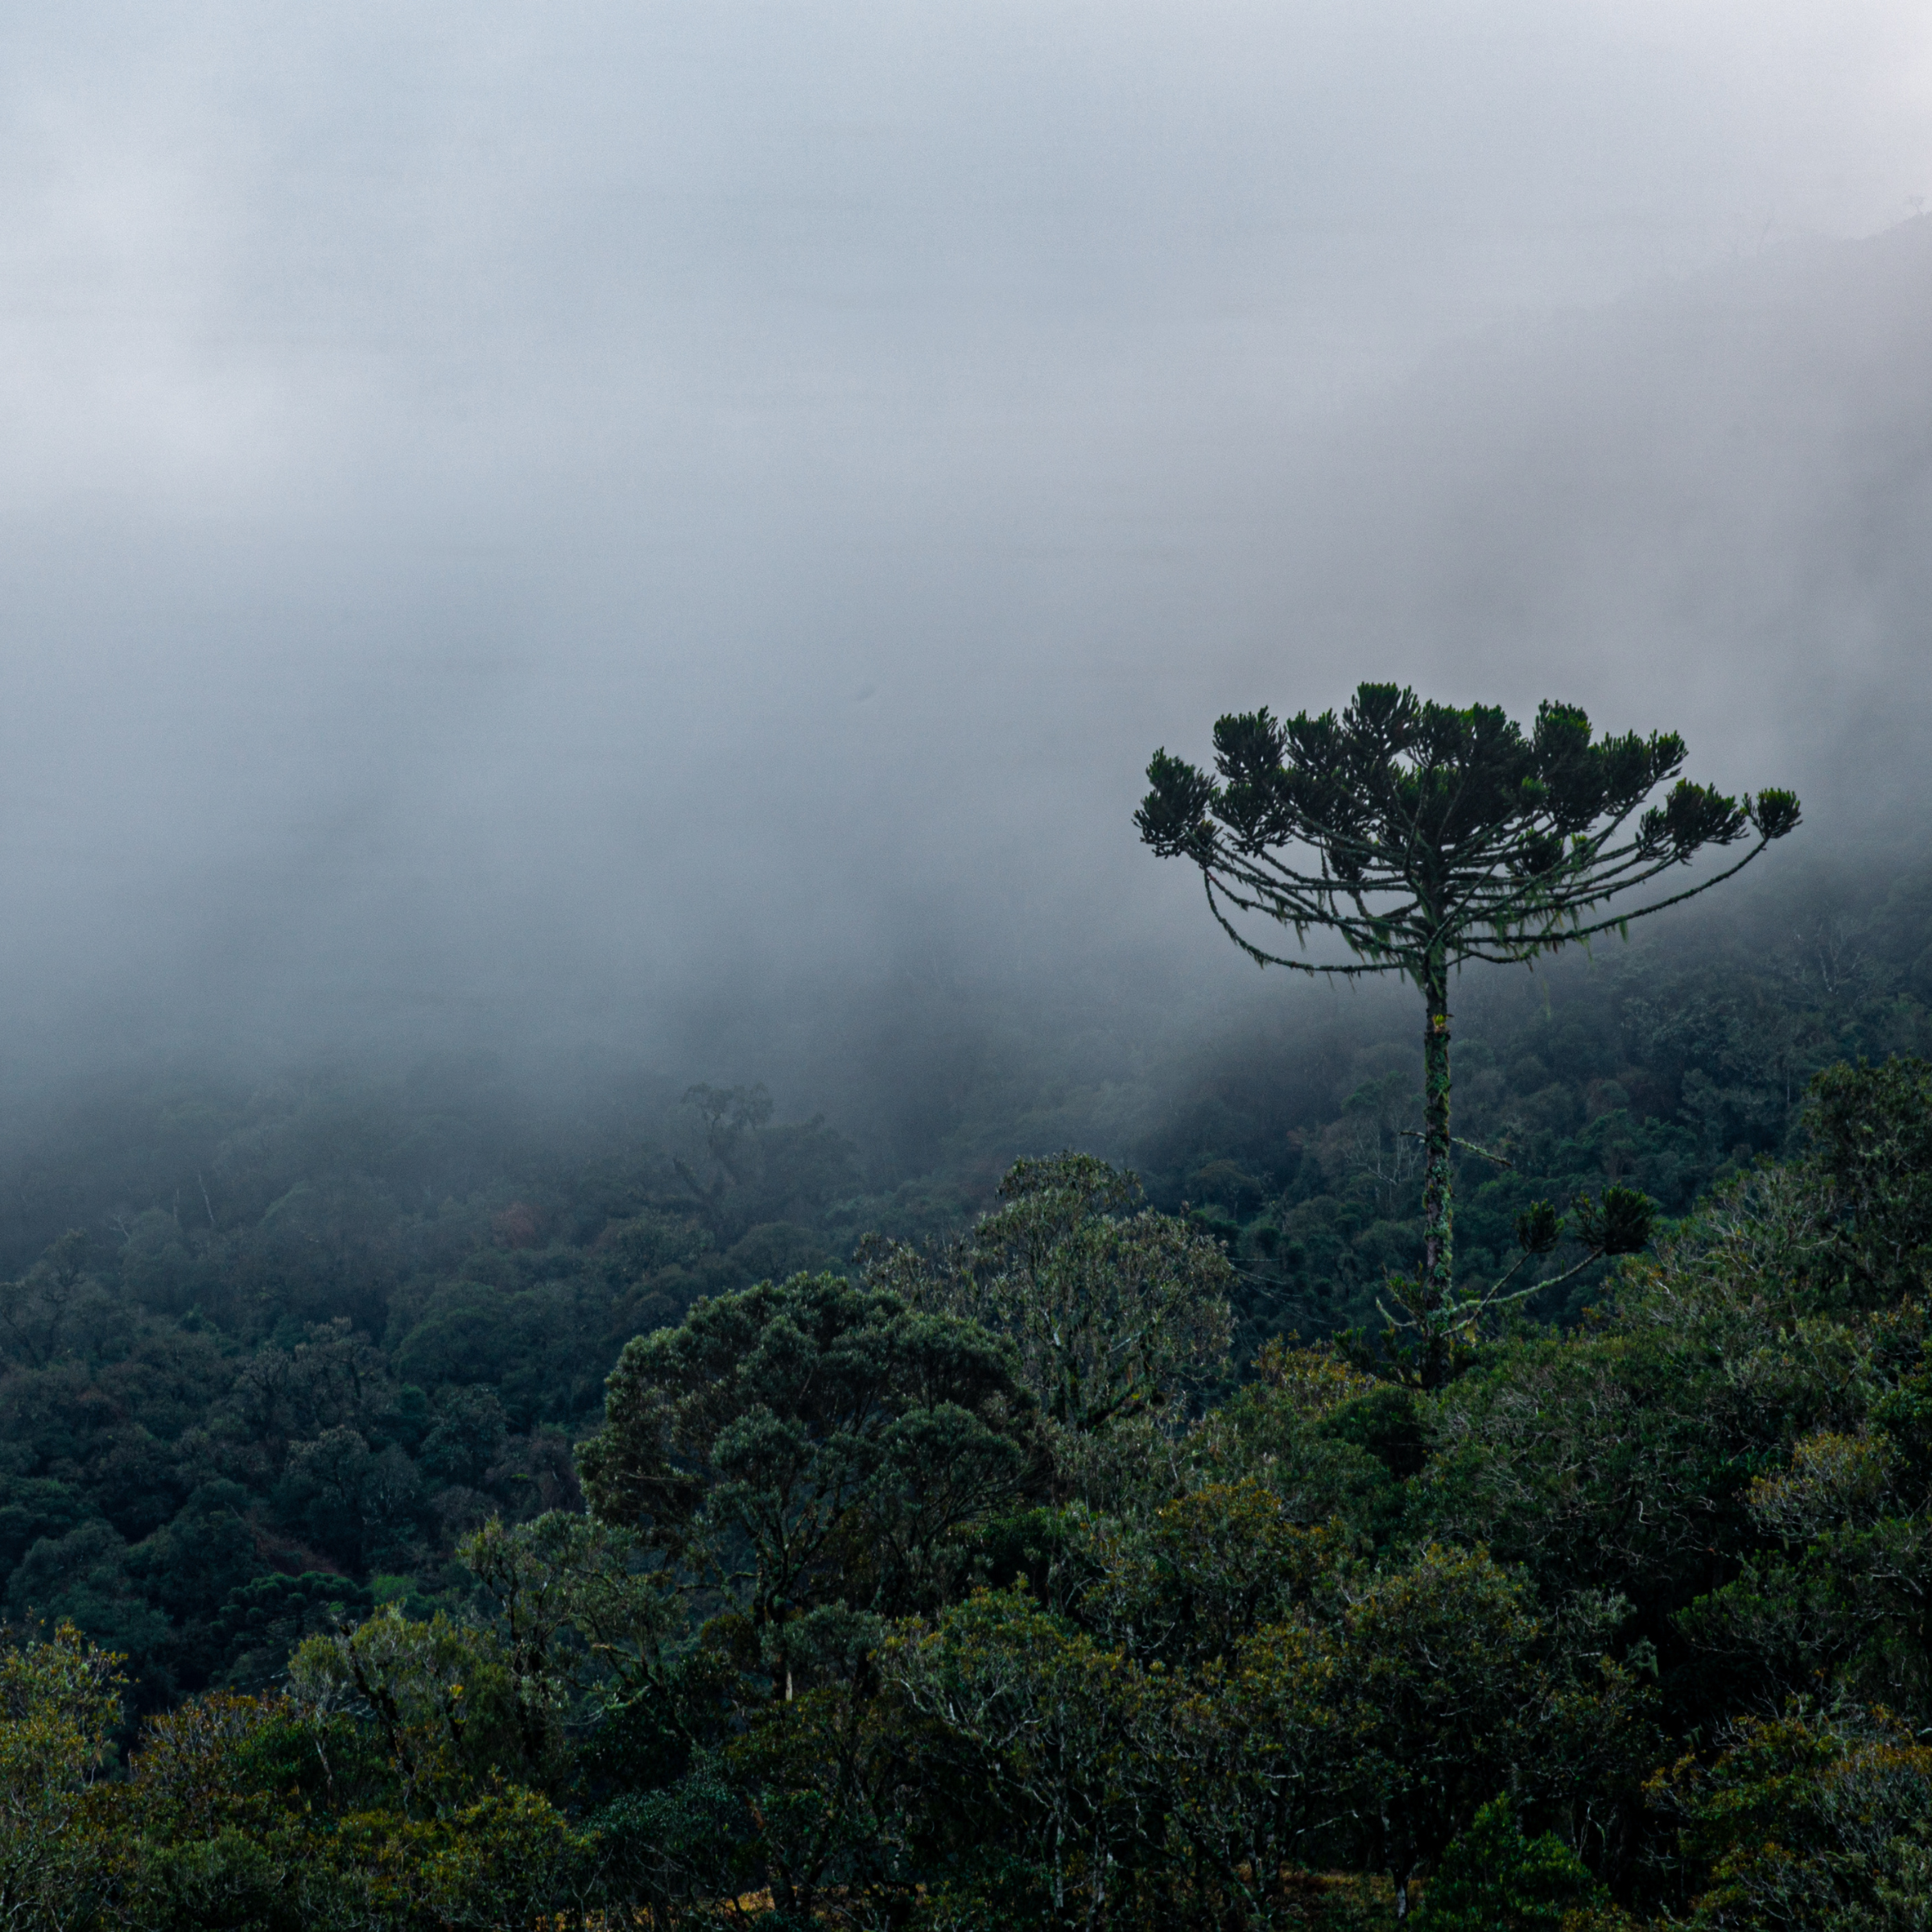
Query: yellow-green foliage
point(59, 1708)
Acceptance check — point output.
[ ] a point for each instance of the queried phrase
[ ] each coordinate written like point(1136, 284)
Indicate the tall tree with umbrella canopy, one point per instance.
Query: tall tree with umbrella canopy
point(1427, 836)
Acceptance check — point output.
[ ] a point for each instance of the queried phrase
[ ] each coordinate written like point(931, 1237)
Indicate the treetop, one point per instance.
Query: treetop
point(1494, 838)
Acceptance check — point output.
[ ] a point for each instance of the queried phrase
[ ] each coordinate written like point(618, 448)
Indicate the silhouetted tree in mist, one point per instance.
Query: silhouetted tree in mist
point(1426, 836)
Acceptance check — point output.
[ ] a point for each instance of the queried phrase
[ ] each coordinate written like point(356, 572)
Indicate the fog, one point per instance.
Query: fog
point(671, 532)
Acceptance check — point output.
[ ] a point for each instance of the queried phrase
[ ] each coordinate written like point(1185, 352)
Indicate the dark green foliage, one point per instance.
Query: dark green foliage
point(35, 1507)
point(261, 1624)
point(1620, 1223)
point(1387, 1423)
point(1455, 811)
point(84, 1578)
point(1817, 1818)
point(1112, 1314)
point(1494, 1879)
point(1870, 1130)
point(335, 1366)
point(810, 1451)
point(858, 1622)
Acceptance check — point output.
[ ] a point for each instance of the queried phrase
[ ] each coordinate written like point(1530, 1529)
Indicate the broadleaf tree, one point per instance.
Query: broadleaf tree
point(1114, 1310)
point(1427, 836)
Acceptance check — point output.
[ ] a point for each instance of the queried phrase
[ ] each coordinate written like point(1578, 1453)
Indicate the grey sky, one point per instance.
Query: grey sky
point(506, 512)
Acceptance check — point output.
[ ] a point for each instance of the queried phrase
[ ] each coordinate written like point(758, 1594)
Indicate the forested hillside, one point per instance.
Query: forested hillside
point(1083, 1564)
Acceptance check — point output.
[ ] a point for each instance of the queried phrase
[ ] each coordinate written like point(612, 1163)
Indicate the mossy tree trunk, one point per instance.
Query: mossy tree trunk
point(1438, 1259)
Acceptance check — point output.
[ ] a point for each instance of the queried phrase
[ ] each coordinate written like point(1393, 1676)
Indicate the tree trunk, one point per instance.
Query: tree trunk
point(1438, 1206)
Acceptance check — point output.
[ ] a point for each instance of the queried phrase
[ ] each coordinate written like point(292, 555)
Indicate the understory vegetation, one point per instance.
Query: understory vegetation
point(419, 1511)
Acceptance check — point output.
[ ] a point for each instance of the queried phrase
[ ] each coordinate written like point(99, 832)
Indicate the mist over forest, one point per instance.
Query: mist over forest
point(651, 1270)
point(1700, 507)
point(748, 604)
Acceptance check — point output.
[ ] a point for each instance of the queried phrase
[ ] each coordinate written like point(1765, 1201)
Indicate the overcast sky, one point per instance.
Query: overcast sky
point(511, 515)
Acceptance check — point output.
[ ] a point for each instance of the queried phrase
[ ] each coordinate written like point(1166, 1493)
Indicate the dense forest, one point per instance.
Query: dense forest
point(424, 1504)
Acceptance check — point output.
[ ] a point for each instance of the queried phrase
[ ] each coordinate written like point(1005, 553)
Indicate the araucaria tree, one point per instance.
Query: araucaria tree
point(1425, 836)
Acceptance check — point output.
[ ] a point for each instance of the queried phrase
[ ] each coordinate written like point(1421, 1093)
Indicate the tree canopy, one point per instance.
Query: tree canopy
point(1424, 835)
point(1623, 1626)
